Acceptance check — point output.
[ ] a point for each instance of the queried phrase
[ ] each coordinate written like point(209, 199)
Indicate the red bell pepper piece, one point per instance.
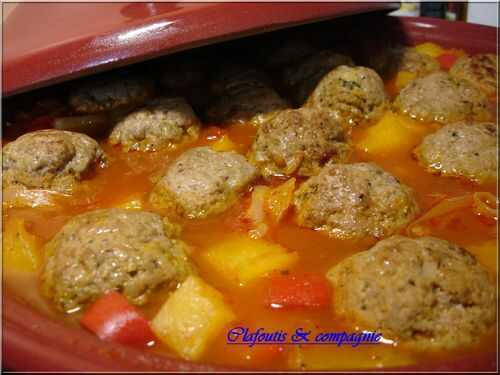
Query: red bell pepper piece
point(307, 290)
point(447, 60)
point(113, 318)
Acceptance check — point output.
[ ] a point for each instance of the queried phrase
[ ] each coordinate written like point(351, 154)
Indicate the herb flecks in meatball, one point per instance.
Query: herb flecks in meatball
point(132, 252)
point(253, 105)
point(163, 123)
point(50, 159)
point(351, 94)
point(354, 201)
point(243, 95)
point(298, 141)
point(441, 98)
point(389, 61)
point(301, 78)
point(109, 94)
point(425, 292)
point(202, 182)
point(481, 71)
point(462, 150)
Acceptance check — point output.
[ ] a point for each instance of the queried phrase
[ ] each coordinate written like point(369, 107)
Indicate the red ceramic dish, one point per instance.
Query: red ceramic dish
point(35, 342)
point(121, 33)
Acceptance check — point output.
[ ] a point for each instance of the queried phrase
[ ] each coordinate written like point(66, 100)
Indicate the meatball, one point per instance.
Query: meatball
point(278, 52)
point(390, 61)
point(202, 182)
point(354, 201)
point(164, 122)
point(462, 149)
point(233, 78)
point(301, 78)
point(481, 71)
point(112, 93)
point(132, 252)
point(439, 97)
point(242, 95)
point(298, 141)
point(426, 292)
point(50, 159)
point(186, 76)
point(181, 75)
point(247, 105)
point(352, 94)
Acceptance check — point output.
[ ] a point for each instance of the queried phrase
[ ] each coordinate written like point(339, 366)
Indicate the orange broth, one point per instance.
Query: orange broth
point(131, 175)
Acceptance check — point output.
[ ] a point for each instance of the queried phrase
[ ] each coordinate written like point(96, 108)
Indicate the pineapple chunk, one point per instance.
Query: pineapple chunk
point(20, 248)
point(403, 78)
point(392, 133)
point(191, 318)
point(486, 253)
point(428, 48)
point(241, 259)
point(133, 202)
point(224, 144)
point(280, 199)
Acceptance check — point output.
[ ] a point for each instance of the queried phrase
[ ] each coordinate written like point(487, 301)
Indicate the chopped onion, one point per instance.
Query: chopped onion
point(482, 203)
point(485, 204)
point(256, 212)
point(22, 197)
point(442, 208)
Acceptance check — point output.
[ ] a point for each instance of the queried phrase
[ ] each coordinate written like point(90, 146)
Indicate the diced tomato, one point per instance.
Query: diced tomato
point(447, 60)
point(308, 290)
point(113, 318)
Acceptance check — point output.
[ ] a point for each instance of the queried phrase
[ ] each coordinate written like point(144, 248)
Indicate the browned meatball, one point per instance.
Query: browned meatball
point(425, 292)
point(351, 94)
point(439, 97)
point(202, 182)
point(164, 122)
point(248, 105)
point(481, 71)
point(301, 78)
point(112, 249)
point(298, 141)
point(390, 61)
point(242, 95)
point(354, 201)
point(462, 149)
point(50, 159)
point(108, 94)
point(280, 52)
point(233, 78)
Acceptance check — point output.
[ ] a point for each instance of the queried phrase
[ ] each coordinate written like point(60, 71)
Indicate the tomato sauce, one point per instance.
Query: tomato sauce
point(132, 175)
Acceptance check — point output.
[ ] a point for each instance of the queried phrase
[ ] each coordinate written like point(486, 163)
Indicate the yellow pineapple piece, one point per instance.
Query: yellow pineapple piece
point(486, 253)
point(280, 199)
point(392, 133)
point(191, 318)
point(241, 259)
point(20, 248)
point(428, 48)
point(403, 78)
point(133, 202)
point(224, 144)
